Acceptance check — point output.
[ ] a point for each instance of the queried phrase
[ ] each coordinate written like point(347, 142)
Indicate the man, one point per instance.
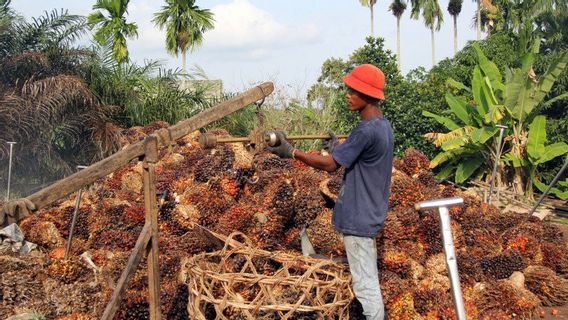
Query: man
point(362, 204)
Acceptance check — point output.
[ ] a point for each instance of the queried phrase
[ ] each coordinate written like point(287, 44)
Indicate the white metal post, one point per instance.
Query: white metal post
point(497, 156)
point(451, 262)
point(552, 183)
point(11, 143)
point(74, 220)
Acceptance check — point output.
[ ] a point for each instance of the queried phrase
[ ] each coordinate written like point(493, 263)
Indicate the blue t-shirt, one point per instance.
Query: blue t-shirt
point(362, 204)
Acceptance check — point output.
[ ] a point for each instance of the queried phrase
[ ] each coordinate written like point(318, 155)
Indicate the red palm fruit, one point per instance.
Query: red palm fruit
point(414, 162)
point(402, 307)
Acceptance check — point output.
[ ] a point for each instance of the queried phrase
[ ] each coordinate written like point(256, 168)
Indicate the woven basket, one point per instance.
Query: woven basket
point(243, 282)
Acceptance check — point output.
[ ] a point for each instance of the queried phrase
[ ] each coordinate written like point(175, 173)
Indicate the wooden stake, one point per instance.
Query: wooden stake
point(133, 261)
point(150, 203)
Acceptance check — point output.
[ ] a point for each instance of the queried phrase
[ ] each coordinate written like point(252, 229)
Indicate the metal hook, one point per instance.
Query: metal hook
point(260, 102)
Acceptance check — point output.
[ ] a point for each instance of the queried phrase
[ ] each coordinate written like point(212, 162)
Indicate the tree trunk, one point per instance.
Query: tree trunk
point(455, 34)
point(398, 42)
point(518, 185)
point(183, 58)
point(372, 21)
point(433, 46)
point(478, 20)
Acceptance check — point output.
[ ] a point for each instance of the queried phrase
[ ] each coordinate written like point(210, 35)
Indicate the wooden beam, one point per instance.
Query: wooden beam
point(104, 167)
point(133, 261)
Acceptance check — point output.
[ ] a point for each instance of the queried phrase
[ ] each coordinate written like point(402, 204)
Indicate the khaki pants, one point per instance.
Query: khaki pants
point(362, 258)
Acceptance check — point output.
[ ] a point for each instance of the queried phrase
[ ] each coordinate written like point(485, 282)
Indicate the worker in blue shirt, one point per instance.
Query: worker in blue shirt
point(362, 203)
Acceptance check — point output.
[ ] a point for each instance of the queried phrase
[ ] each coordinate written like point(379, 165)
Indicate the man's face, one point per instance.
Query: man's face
point(355, 100)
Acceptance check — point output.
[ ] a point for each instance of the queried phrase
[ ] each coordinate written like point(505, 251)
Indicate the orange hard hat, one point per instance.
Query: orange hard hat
point(367, 79)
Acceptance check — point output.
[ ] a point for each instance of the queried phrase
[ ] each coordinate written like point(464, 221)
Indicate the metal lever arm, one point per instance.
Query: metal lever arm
point(210, 140)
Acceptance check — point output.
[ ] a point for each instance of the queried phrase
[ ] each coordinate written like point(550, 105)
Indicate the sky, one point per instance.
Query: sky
point(284, 41)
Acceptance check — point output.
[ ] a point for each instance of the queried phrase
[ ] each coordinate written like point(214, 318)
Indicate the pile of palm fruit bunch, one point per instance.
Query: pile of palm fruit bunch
point(510, 265)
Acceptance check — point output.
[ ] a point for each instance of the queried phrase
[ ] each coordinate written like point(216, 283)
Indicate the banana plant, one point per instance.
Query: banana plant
point(539, 153)
point(468, 149)
point(525, 94)
point(561, 191)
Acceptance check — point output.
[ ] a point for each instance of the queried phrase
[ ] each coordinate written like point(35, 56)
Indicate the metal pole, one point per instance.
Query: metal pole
point(552, 183)
point(11, 143)
point(74, 220)
point(497, 156)
point(451, 262)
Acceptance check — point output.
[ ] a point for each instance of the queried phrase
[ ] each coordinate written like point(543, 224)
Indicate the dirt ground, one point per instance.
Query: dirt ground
point(562, 313)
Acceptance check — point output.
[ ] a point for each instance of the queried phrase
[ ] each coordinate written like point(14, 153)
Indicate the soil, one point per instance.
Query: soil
point(562, 313)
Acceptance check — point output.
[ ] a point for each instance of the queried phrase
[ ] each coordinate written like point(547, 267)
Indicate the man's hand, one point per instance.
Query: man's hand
point(284, 149)
point(16, 210)
point(331, 143)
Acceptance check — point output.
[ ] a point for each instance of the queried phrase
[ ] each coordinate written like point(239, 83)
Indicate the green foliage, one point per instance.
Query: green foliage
point(468, 149)
point(397, 7)
point(560, 190)
point(142, 94)
point(113, 27)
point(185, 24)
point(45, 106)
point(405, 98)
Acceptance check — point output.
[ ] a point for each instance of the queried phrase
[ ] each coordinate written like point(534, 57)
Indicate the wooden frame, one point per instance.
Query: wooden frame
point(147, 151)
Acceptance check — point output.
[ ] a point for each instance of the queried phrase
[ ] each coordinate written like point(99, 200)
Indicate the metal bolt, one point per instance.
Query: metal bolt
point(451, 262)
point(497, 156)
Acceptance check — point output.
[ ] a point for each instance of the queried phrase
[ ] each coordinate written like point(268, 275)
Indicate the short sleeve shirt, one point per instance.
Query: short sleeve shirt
point(367, 155)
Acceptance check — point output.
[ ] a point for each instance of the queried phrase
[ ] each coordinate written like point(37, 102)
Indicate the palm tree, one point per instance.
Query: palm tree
point(185, 24)
point(433, 18)
point(113, 28)
point(478, 23)
point(454, 8)
point(371, 5)
point(397, 8)
point(45, 105)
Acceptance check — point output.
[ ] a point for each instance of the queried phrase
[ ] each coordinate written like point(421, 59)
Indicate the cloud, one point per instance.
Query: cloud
point(150, 38)
point(241, 25)
point(241, 29)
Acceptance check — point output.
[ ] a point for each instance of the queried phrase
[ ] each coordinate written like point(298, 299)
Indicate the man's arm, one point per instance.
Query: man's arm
point(326, 163)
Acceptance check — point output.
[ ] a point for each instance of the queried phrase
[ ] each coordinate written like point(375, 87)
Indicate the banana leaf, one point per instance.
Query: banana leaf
point(537, 137)
point(466, 168)
point(459, 108)
point(552, 151)
point(446, 122)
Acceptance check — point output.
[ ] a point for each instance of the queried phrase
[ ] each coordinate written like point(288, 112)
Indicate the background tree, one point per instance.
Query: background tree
point(469, 147)
point(185, 24)
point(433, 18)
point(397, 7)
point(371, 5)
point(45, 105)
point(478, 20)
point(405, 98)
point(113, 27)
point(454, 8)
